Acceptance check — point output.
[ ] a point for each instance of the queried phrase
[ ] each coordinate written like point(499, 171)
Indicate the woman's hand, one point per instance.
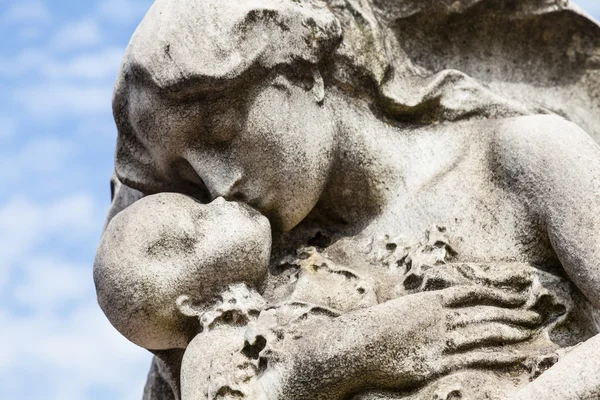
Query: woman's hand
point(466, 326)
point(403, 343)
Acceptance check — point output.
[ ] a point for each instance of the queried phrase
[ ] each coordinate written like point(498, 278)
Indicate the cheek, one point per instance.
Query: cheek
point(288, 128)
point(292, 144)
point(308, 144)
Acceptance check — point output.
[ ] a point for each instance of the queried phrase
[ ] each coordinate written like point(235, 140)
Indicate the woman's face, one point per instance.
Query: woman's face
point(270, 147)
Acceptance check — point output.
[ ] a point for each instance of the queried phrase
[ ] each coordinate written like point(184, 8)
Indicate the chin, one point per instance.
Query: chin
point(284, 222)
point(280, 223)
point(285, 216)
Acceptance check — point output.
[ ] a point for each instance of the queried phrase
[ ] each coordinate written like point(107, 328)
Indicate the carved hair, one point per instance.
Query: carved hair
point(215, 45)
point(359, 47)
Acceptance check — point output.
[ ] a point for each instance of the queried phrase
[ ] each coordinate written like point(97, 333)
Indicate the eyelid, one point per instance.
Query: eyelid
point(281, 82)
point(224, 121)
point(223, 128)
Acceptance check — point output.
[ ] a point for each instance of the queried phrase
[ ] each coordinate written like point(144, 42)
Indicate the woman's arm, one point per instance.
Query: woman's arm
point(555, 167)
point(402, 343)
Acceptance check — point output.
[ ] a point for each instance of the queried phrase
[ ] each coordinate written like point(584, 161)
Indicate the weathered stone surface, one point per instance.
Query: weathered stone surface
point(166, 255)
point(358, 199)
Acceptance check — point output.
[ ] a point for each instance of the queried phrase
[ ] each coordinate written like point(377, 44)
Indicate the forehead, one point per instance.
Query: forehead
point(186, 40)
point(207, 43)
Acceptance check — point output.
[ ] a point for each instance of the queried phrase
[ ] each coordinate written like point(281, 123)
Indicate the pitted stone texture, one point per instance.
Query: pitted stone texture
point(430, 184)
point(166, 255)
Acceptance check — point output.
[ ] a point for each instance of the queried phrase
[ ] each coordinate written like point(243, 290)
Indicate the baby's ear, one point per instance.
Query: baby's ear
point(186, 307)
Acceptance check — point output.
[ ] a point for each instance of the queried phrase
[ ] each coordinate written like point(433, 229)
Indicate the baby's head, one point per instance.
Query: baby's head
point(167, 254)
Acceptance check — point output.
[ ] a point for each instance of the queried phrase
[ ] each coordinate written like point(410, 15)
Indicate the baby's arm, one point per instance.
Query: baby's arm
point(555, 167)
point(219, 360)
point(168, 253)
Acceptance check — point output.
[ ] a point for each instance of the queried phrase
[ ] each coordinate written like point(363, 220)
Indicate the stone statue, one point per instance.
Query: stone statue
point(358, 199)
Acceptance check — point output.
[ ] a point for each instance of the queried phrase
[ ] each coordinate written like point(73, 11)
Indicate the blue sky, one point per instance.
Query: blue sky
point(58, 61)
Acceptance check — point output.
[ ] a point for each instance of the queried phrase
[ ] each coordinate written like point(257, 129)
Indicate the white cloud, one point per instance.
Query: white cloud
point(8, 127)
point(91, 65)
point(74, 215)
point(69, 356)
point(26, 12)
point(94, 65)
point(39, 158)
point(5, 273)
point(57, 344)
point(25, 224)
point(64, 345)
point(31, 33)
point(44, 154)
point(26, 62)
point(82, 33)
point(124, 11)
point(52, 101)
point(19, 229)
point(50, 283)
point(95, 128)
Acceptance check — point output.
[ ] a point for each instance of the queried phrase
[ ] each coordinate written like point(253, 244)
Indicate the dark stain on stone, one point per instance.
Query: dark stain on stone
point(169, 244)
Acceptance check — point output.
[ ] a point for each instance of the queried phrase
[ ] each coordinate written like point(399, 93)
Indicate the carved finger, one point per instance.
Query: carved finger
point(474, 315)
point(487, 334)
point(482, 359)
point(516, 278)
point(442, 278)
point(466, 296)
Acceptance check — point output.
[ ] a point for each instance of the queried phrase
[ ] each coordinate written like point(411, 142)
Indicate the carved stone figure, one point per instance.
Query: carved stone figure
point(358, 199)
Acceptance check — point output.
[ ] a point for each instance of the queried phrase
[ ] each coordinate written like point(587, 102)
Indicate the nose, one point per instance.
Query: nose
point(220, 179)
point(226, 187)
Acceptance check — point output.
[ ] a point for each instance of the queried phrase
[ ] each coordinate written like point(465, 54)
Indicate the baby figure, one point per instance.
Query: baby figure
point(164, 260)
point(173, 273)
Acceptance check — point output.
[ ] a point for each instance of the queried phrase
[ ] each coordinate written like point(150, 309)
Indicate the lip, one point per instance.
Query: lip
point(254, 203)
point(236, 192)
point(258, 205)
point(265, 205)
point(252, 211)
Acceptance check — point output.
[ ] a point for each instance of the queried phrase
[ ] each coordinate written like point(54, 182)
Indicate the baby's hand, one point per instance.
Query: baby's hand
point(167, 247)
